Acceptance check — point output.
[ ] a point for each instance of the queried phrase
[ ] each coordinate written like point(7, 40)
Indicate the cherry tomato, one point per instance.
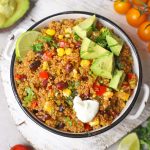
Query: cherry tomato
point(135, 18)
point(144, 31)
point(122, 6)
point(43, 74)
point(47, 56)
point(139, 2)
point(20, 147)
point(131, 76)
point(99, 89)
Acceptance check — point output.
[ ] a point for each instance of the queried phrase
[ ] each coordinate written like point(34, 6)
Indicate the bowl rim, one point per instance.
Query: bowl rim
point(93, 132)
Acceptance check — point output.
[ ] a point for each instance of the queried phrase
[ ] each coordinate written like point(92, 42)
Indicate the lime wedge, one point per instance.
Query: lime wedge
point(25, 42)
point(130, 142)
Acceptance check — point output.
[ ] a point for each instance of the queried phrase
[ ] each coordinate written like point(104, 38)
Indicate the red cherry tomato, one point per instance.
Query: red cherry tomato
point(34, 104)
point(43, 74)
point(135, 18)
point(87, 127)
point(20, 147)
point(122, 6)
point(144, 31)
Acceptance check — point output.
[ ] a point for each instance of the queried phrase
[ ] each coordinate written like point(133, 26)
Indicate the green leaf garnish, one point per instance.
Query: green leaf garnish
point(37, 47)
point(76, 37)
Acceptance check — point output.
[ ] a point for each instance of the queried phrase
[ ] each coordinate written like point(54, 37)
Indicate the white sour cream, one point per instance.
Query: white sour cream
point(85, 110)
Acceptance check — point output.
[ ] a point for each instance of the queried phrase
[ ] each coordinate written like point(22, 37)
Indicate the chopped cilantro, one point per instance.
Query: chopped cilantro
point(76, 37)
point(37, 47)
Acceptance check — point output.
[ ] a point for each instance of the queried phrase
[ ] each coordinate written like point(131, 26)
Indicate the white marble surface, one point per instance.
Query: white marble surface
point(9, 134)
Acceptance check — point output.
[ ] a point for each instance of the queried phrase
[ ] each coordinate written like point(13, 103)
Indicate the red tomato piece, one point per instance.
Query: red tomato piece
point(87, 127)
point(48, 55)
point(99, 89)
point(34, 104)
point(20, 147)
point(43, 74)
point(131, 75)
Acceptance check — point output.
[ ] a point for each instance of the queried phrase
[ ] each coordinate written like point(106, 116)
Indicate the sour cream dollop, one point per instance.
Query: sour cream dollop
point(85, 110)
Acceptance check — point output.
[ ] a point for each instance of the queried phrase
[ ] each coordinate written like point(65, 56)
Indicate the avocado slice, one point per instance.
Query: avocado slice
point(104, 66)
point(84, 28)
point(115, 44)
point(117, 79)
point(91, 50)
point(21, 7)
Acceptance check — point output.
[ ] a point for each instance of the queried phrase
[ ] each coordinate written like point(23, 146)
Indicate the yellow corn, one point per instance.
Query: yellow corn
point(68, 30)
point(95, 122)
point(85, 63)
point(60, 37)
point(50, 32)
point(122, 95)
point(108, 94)
point(45, 65)
point(75, 73)
point(60, 52)
point(47, 107)
point(66, 92)
point(68, 51)
point(67, 35)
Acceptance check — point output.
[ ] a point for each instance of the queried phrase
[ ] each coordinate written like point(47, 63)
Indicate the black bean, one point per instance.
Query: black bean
point(60, 125)
point(69, 67)
point(84, 78)
point(35, 111)
point(44, 83)
point(40, 54)
point(35, 65)
point(61, 85)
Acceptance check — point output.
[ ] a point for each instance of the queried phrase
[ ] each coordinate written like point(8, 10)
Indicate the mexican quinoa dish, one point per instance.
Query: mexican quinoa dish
point(74, 75)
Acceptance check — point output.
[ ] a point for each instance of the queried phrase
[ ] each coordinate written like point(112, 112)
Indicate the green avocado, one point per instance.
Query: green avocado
point(117, 79)
point(11, 11)
point(115, 44)
point(104, 66)
point(91, 50)
point(83, 29)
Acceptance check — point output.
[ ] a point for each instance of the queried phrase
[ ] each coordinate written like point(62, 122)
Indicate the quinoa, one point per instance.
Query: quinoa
point(43, 96)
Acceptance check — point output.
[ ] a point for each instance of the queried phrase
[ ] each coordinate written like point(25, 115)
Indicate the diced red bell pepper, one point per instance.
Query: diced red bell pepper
point(48, 55)
point(131, 76)
point(21, 77)
point(99, 89)
point(34, 104)
point(43, 74)
point(87, 127)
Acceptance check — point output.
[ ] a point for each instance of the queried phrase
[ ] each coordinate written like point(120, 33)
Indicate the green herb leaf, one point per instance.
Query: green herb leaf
point(47, 39)
point(68, 120)
point(37, 47)
point(76, 37)
point(29, 97)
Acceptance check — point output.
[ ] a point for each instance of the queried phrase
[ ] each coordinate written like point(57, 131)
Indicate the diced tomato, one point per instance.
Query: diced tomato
point(43, 74)
point(21, 77)
point(34, 104)
point(48, 55)
point(50, 87)
point(20, 147)
point(99, 89)
point(131, 75)
point(63, 44)
point(87, 127)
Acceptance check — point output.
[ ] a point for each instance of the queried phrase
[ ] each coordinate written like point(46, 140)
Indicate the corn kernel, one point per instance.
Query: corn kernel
point(95, 122)
point(67, 35)
point(60, 37)
point(85, 63)
point(68, 30)
point(60, 52)
point(122, 95)
point(68, 51)
point(45, 65)
point(75, 73)
point(47, 107)
point(108, 94)
point(50, 32)
point(66, 92)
